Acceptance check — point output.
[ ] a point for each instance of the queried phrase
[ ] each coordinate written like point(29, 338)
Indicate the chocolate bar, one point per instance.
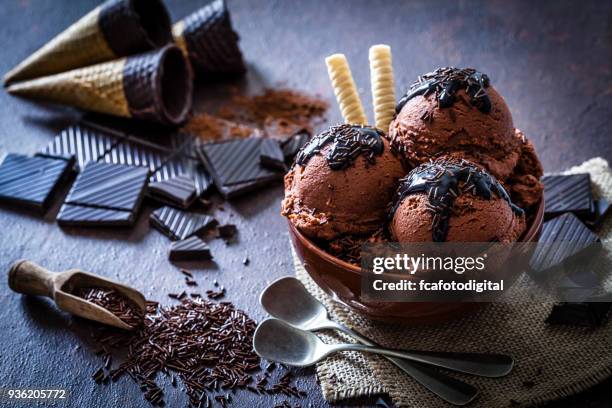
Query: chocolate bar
point(130, 153)
point(111, 186)
point(567, 193)
point(84, 143)
point(85, 216)
point(32, 181)
point(598, 213)
point(293, 145)
point(179, 191)
point(271, 155)
point(191, 249)
point(562, 239)
point(234, 166)
point(179, 225)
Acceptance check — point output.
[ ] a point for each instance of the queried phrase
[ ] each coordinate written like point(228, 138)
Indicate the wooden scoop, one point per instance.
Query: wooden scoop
point(31, 279)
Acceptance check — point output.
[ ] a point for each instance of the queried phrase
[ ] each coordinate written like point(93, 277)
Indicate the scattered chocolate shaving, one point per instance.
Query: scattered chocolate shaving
point(113, 301)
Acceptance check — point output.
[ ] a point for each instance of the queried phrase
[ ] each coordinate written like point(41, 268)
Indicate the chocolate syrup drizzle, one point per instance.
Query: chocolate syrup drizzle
point(443, 181)
point(445, 82)
point(347, 143)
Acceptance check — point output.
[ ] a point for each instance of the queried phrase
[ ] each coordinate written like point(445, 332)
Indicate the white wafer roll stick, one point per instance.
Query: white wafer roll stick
point(345, 89)
point(383, 85)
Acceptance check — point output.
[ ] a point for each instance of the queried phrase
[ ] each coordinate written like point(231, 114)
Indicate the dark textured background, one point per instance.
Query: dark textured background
point(551, 60)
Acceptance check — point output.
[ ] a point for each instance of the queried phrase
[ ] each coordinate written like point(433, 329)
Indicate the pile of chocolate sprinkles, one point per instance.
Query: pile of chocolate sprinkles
point(114, 302)
point(347, 143)
point(203, 344)
point(444, 83)
point(443, 181)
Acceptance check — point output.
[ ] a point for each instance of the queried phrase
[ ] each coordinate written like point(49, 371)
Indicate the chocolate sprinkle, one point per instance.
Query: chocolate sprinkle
point(445, 83)
point(114, 302)
point(347, 143)
point(443, 181)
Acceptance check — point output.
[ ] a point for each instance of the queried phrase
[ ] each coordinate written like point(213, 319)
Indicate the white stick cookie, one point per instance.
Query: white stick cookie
point(345, 89)
point(383, 85)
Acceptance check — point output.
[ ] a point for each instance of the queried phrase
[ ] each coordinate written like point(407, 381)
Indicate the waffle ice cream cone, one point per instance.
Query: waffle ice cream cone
point(209, 41)
point(114, 29)
point(156, 86)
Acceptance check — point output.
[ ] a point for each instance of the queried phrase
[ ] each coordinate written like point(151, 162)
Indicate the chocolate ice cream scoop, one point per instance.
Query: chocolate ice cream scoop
point(456, 112)
point(342, 182)
point(454, 200)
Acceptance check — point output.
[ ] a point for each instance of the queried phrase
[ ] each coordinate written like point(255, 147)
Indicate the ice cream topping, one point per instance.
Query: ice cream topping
point(347, 143)
point(445, 82)
point(443, 181)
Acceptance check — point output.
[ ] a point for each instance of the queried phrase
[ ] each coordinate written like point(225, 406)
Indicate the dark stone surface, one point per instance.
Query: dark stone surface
point(551, 60)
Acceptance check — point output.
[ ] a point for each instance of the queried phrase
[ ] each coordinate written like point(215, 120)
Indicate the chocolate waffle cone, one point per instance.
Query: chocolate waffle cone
point(156, 86)
point(115, 29)
point(209, 41)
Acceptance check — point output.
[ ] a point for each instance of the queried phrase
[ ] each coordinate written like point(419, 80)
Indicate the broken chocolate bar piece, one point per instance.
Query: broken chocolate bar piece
point(188, 167)
point(191, 249)
point(271, 155)
point(83, 142)
point(564, 239)
point(598, 213)
point(234, 166)
point(586, 314)
point(227, 231)
point(32, 181)
point(131, 153)
point(179, 191)
point(85, 216)
point(179, 225)
point(292, 146)
point(567, 193)
point(111, 186)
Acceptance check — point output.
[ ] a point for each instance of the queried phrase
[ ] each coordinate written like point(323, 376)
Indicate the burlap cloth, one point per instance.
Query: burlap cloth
point(560, 361)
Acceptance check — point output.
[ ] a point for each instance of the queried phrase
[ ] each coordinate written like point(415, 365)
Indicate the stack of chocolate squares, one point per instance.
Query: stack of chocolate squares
point(568, 247)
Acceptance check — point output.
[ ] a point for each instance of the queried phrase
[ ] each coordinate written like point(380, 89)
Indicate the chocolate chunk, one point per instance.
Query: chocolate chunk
point(234, 166)
point(179, 191)
point(563, 239)
point(184, 166)
point(191, 249)
point(85, 216)
point(292, 146)
point(571, 193)
point(586, 314)
point(598, 213)
point(179, 225)
point(111, 186)
point(85, 143)
point(271, 156)
point(130, 153)
point(32, 181)
point(227, 231)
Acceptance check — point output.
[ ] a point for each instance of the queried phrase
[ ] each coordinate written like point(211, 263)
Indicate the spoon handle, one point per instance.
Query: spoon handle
point(484, 365)
point(450, 389)
point(30, 278)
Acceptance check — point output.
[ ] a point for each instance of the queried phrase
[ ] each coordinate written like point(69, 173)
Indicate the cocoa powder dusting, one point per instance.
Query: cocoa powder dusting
point(276, 113)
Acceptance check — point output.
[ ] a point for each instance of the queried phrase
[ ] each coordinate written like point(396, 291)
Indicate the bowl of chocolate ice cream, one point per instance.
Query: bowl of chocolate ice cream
point(451, 168)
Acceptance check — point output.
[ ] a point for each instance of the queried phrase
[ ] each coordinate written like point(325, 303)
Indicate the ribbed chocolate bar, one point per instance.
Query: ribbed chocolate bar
point(32, 181)
point(85, 143)
point(563, 238)
point(179, 191)
point(85, 216)
point(191, 249)
point(109, 186)
point(178, 224)
point(271, 155)
point(184, 166)
point(293, 145)
point(234, 166)
point(129, 153)
point(571, 193)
